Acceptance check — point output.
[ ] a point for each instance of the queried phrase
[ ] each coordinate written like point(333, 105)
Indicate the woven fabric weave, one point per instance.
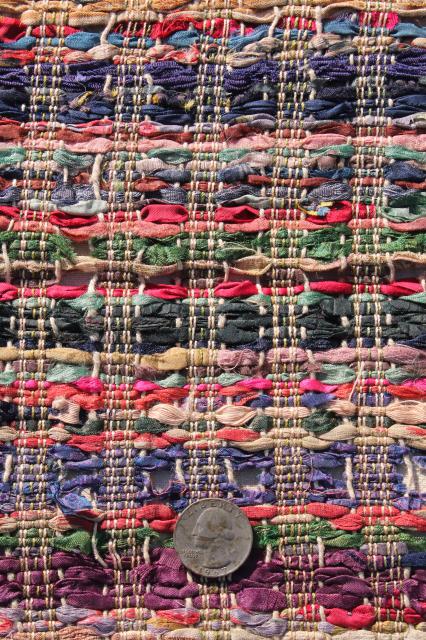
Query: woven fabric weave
point(213, 240)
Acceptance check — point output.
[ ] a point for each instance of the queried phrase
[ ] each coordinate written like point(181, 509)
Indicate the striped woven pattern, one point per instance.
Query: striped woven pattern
point(213, 242)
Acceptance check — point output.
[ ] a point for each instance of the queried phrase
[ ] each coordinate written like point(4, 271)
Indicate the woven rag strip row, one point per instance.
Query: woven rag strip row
point(213, 249)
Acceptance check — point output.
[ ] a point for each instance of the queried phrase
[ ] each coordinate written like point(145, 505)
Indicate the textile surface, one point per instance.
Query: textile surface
point(213, 239)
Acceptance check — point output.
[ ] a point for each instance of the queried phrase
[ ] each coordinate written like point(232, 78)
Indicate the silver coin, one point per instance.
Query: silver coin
point(213, 537)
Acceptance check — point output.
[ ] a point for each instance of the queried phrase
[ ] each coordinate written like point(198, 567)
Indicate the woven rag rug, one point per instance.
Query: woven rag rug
point(213, 240)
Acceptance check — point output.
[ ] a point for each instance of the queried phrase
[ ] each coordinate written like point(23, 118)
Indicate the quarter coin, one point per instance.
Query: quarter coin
point(213, 537)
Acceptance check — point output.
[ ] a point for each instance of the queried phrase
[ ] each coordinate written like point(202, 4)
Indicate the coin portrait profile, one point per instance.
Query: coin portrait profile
point(213, 537)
